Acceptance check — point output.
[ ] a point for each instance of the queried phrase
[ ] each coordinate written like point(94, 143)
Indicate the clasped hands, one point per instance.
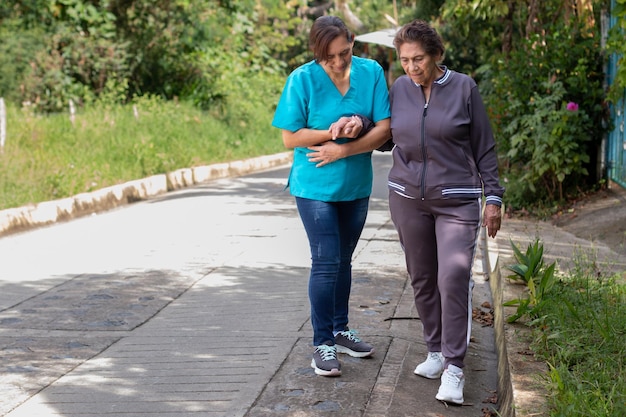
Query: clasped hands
point(329, 151)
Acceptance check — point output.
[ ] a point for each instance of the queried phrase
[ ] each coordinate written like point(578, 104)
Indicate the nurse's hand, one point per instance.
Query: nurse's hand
point(324, 154)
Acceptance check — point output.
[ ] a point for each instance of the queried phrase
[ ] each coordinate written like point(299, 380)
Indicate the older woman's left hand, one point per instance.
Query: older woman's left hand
point(346, 127)
point(325, 153)
point(492, 219)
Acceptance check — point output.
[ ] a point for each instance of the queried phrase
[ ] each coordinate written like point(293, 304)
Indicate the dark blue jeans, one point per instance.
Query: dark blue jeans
point(333, 229)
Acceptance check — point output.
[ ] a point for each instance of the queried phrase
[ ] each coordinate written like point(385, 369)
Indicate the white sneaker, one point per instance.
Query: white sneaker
point(451, 388)
point(432, 367)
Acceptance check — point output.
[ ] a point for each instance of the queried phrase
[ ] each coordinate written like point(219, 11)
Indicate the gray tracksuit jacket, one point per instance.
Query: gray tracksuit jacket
point(444, 148)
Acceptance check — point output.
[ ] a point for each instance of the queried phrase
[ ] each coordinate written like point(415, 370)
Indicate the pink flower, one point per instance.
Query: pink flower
point(571, 106)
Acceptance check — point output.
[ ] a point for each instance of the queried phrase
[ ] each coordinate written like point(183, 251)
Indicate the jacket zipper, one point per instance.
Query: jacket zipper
point(424, 156)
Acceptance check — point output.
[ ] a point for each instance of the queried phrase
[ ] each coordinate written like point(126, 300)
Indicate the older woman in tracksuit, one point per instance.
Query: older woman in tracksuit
point(444, 163)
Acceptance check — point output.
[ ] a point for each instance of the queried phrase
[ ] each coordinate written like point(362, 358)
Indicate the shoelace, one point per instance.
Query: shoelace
point(433, 356)
point(351, 335)
point(452, 379)
point(327, 353)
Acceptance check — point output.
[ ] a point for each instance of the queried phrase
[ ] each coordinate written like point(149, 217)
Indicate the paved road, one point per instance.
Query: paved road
point(194, 304)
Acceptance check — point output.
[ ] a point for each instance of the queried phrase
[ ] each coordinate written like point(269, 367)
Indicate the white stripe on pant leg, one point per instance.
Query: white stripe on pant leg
point(471, 280)
point(469, 317)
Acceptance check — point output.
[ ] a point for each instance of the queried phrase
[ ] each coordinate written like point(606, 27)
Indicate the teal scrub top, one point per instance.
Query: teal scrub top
point(311, 100)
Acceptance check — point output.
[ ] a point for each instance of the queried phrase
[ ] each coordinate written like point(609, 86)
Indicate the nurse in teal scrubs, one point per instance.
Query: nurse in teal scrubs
point(339, 101)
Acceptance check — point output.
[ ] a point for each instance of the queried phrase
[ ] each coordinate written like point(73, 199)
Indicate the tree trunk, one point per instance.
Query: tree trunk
point(507, 35)
point(351, 20)
point(532, 24)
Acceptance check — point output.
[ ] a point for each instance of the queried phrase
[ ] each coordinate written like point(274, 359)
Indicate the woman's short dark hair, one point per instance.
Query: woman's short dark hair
point(326, 29)
point(419, 31)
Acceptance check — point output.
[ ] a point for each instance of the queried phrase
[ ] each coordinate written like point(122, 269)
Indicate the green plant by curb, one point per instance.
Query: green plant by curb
point(538, 278)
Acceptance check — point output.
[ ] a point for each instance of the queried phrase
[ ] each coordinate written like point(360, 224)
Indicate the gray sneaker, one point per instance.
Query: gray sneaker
point(348, 342)
point(325, 360)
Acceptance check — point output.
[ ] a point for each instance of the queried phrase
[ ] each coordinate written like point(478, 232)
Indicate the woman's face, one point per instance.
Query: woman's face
point(417, 64)
point(339, 56)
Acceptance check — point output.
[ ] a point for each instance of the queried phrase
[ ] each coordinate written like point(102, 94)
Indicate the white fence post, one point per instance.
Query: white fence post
point(72, 111)
point(3, 125)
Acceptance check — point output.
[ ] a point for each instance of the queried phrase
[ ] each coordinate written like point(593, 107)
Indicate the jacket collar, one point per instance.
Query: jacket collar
point(441, 80)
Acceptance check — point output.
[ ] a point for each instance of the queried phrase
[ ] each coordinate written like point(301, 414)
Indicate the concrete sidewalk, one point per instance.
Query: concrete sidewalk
point(194, 303)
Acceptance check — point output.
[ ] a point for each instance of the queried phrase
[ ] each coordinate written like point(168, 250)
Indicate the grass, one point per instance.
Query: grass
point(579, 331)
point(49, 157)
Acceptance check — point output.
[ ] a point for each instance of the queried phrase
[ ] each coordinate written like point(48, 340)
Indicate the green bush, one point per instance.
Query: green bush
point(547, 143)
point(74, 67)
point(17, 47)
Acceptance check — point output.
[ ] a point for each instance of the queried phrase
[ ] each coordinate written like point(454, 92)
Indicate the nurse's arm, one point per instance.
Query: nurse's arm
point(303, 138)
point(329, 151)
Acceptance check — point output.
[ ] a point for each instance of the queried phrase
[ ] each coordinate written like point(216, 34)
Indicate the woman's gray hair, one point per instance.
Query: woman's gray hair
point(420, 31)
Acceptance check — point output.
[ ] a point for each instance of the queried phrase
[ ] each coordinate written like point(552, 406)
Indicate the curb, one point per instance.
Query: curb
point(519, 393)
point(491, 268)
point(506, 397)
point(42, 214)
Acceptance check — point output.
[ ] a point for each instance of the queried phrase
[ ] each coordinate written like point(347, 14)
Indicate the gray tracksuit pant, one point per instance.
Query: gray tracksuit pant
point(439, 241)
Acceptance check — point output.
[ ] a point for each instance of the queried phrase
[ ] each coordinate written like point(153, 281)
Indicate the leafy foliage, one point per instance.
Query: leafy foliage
point(17, 47)
point(74, 67)
point(548, 141)
point(170, 48)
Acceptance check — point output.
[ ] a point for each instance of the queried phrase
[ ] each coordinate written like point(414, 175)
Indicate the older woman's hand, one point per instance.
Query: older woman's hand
point(346, 127)
point(492, 219)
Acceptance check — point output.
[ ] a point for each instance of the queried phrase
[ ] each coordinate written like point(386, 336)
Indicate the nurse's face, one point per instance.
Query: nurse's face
point(339, 56)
